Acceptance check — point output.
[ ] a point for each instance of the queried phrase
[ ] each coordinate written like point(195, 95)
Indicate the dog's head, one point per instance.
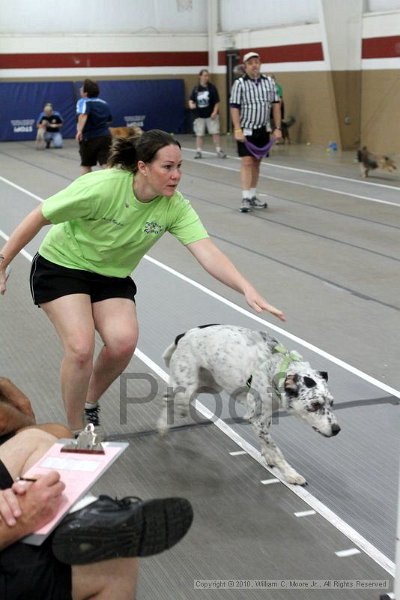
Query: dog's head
point(306, 394)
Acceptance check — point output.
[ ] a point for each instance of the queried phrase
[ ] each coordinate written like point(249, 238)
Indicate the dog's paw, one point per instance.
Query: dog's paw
point(294, 478)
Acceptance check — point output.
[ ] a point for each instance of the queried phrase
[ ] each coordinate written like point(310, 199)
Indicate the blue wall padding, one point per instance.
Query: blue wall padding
point(152, 104)
point(21, 104)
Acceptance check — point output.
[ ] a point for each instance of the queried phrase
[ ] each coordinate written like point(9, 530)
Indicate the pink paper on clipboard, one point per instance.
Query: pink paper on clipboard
point(78, 471)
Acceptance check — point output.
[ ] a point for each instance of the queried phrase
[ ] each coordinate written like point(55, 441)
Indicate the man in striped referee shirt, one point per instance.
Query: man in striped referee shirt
point(252, 96)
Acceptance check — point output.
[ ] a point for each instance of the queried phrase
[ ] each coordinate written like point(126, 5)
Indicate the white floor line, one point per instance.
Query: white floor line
point(313, 502)
point(304, 513)
point(269, 481)
point(346, 553)
point(21, 189)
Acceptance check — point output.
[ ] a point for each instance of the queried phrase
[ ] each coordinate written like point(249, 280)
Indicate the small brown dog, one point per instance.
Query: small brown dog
point(125, 132)
point(40, 141)
point(369, 162)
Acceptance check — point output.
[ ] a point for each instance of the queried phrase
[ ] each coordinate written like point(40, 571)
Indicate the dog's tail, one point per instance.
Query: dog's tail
point(168, 352)
point(289, 121)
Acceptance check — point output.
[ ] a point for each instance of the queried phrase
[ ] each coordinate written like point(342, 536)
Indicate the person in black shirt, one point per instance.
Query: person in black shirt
point(50, 122)
point(92, 133)
point(204, 101)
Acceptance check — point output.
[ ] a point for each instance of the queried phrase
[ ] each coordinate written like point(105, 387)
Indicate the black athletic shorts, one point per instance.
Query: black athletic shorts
point(95, 150)
point(259, 137)
point(50, 281)
point(31, 571)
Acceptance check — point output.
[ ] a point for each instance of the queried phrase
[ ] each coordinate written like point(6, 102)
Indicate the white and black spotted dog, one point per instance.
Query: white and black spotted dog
point(255, 369)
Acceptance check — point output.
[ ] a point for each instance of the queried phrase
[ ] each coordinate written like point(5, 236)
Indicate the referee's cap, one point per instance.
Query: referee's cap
point(250, 55)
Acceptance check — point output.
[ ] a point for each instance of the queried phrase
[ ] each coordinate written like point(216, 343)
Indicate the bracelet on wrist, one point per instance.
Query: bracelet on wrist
point(238, 129)
point(278, 128)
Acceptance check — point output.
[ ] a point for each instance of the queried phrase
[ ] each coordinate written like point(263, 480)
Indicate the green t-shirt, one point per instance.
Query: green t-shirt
point(100, 226)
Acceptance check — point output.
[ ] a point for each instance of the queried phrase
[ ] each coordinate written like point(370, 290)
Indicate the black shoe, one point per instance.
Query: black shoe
point(92, 415)
point(128, 527)
point(48, 144)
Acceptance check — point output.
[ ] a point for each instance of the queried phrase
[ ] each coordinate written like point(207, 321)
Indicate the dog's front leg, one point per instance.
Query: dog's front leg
point(176, 399)
point(164, 419)
point(272, 454)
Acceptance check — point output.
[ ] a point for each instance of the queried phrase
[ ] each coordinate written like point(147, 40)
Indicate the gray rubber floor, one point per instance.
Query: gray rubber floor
point(326, 251)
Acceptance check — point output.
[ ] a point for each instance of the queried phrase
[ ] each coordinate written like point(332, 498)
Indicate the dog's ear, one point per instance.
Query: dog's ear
point(324, 375)
point(309, 382)
point(291, 385)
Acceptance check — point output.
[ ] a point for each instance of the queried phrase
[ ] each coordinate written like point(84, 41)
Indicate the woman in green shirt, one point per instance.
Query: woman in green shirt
point(103, 224)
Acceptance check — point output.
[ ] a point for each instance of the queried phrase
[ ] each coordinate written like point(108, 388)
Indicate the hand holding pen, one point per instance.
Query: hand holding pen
point(31, 502)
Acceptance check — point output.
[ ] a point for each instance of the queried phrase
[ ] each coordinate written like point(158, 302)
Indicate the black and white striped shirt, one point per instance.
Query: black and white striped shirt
point(253, 97)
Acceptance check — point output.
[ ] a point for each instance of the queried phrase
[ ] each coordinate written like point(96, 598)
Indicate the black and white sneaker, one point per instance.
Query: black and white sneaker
point(256, 203)
point(128, 527)
point(92, 415)
point(221, 154)
point(246, 205)
point(198, 155)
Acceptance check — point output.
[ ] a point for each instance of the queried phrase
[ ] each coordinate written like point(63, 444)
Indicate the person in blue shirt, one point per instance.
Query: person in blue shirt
point(50, 121)
point(92, 133)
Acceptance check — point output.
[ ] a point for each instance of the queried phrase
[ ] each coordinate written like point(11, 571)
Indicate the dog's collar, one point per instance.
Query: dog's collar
point(279, 377)
point(288, 357)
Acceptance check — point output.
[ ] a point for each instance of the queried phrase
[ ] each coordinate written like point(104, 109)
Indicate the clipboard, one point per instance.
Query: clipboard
point(79, 472)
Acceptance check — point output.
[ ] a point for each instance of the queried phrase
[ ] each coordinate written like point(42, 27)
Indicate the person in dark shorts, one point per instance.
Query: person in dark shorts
point(252, 96)
point(103, 225)
point(92, 132)
point(94, 551)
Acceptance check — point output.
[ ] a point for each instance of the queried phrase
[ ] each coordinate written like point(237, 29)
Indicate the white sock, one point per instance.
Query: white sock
point(90, 405)
point(218, 149)
point(246, 194)
point(252, 192)
point(198, 149)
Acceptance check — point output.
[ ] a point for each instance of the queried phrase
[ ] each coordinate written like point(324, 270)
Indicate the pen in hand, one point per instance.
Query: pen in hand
point(25, 479)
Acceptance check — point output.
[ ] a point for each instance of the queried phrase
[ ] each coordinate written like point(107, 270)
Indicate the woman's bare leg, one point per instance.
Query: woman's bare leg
point(115, 320)
point(72, 318)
